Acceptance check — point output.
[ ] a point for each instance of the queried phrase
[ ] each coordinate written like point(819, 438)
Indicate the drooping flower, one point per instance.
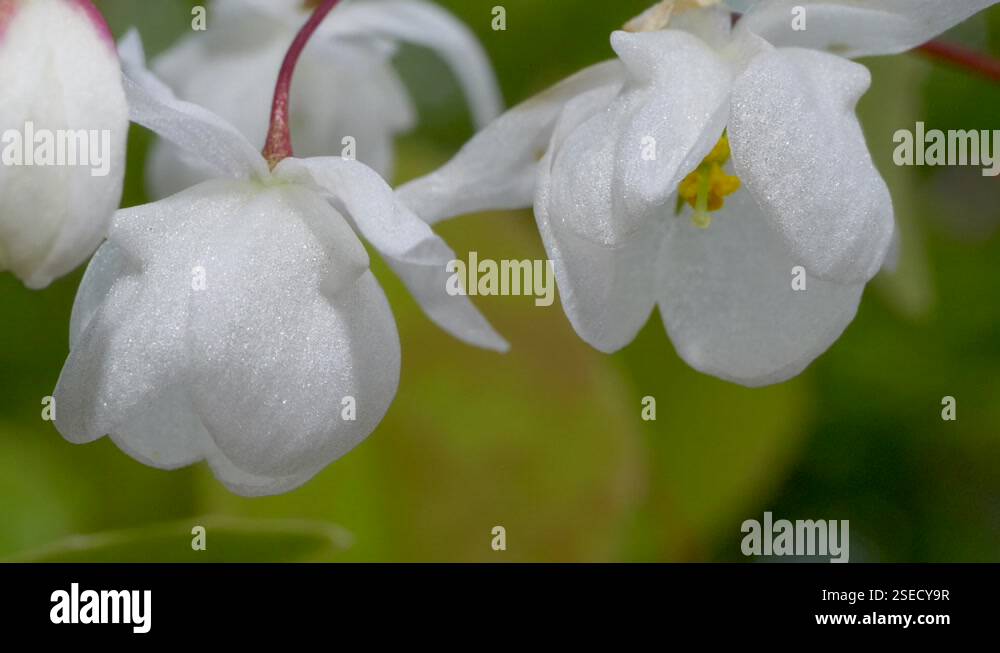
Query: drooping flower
point(222, 69)
point(63, 126)
point(238, 321)
point(702, 171)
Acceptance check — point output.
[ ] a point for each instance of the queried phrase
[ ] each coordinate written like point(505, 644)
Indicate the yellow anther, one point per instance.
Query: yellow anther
point(723, 185)
point(720, 153)
point(688, 189)
point(707, 187)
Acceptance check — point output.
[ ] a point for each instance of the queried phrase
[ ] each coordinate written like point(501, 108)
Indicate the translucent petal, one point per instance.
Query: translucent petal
point(799, 150)
point(286, 329)
point(426, 24)
point(497, 168)
point(727, 300)
point(414, 252)
point(607, 291)
point(195, 129)
point(226, 78)
point(857, 28)
point(130, 317)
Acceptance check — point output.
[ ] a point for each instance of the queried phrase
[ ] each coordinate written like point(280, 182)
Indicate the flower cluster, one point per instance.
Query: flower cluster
point(751, 132)
point(236, 320)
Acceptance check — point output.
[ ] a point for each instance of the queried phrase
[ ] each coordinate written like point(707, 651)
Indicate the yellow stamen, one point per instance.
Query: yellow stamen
point(720, 153)
point(707, 187)
point(702, 206)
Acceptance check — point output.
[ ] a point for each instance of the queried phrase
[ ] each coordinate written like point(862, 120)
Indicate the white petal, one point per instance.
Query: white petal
point(118, 363)
point(289, 324)
point(674, 107)
point(165, 433)
point(378, 110)
point(227, 76)
point(220, 72)
point(799, 150)
point(162, 430)
point(379, 106)
point(858, 28)
point(248, 484)
point(169, 170)
point(197, 130)
point(612, 168)
point(497, 168)
point(248, 369)
point(426, 24)
point(128, 324)
point(223, 75)
point(59, 72)
point(108, 265)
point(607, 291)
point(413, 251)
point(727, 300)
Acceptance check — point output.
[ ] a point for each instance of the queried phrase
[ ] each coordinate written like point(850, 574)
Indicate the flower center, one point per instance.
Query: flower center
point(707, 187)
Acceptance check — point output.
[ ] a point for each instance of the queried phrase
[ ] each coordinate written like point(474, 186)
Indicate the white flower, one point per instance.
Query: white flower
point(237, 321)
point(60, 78)
point(345, 83)
point(623, 140)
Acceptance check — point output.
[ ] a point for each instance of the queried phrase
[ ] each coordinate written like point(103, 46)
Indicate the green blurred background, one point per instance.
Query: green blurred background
point(547, 441)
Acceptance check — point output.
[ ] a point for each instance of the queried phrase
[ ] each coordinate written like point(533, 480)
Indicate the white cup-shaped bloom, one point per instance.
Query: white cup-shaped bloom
point(63, 127)
point(347, 95)
point(758, 134)
point(238, 322)
point(233, 322)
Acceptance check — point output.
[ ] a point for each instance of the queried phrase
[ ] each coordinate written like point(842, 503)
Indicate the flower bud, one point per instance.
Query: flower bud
point(63, 127)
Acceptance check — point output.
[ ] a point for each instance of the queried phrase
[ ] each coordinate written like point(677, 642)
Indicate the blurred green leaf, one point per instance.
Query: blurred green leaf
point(226, 539)
point(717, 451)
point(160, 23)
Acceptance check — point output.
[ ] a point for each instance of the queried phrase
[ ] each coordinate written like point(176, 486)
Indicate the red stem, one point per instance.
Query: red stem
point(963, 57)
point(279, 139)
